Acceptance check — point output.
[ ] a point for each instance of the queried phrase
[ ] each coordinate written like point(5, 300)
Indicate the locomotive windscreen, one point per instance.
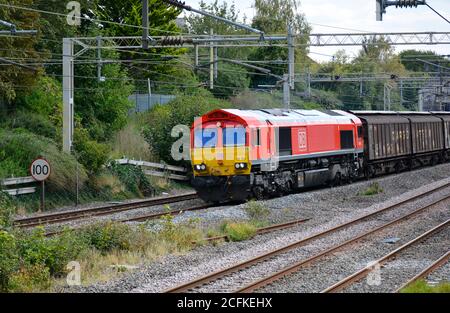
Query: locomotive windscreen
point(205, 138)
point(347, 139)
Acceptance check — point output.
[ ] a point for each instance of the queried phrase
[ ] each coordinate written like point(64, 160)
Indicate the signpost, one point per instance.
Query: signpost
point(40, 171)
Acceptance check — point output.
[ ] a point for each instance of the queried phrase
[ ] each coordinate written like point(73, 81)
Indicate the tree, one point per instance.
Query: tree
point(231, 80)
point(201, 25)
point(273, 17)
point(21, 49)
point(411, 60)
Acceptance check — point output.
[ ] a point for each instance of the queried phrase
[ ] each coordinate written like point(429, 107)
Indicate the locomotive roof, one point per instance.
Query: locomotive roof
point(284, 116)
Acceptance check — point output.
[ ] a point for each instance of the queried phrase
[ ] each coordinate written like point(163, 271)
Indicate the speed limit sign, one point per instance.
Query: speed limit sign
point(40, 169)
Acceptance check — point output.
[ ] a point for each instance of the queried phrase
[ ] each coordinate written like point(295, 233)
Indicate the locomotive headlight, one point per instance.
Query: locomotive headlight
point(240, 166)
point(200, 167)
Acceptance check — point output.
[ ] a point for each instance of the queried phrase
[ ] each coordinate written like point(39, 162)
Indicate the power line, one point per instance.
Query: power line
point(86, 18)
point(437, 13)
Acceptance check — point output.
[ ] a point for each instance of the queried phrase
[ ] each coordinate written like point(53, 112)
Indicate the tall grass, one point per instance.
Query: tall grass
point(421, 286)
point(130, 143)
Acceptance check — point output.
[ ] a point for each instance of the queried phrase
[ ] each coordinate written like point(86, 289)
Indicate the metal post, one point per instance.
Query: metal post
point(42, 207)
point(441, 90)
point(286, 92)
point(361, 86)
point(78, 186)
point(211, 66)
point(421, 99)
point(196, 58)
point(216, 63)
point(68, 101)
point(401, 93)
point(291, 53)
point(149, 93)
point(387, 97)
point(99, 58)
point(309, 82)
point(145, 23)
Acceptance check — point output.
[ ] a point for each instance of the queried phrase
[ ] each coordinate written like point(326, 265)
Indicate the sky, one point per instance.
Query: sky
point(360, 15)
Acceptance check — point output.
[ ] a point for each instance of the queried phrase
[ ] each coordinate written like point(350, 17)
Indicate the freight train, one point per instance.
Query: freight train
point(242, 154)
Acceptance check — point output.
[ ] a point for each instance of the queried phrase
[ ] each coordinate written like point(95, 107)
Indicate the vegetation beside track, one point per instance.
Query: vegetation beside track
point(422, 286)
point(372, 190)
point(32, 262)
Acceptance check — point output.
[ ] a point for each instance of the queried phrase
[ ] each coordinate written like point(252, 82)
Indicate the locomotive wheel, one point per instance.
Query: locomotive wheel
point(258, 193)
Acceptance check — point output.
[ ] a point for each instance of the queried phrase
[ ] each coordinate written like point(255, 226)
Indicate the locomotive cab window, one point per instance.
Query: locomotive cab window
point(256, 137)
point(234, 136)
point(360, 132)
point(205, 138)
point(347, 139)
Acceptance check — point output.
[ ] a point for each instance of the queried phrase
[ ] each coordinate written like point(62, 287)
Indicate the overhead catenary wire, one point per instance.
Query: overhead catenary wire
point(86, 18)
point(435, 11)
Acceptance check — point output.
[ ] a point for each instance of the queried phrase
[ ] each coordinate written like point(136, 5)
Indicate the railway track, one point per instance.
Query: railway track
point(101, 210)
point(215, 276)
point(347, 281)
point(265, 230)
point(430, 269)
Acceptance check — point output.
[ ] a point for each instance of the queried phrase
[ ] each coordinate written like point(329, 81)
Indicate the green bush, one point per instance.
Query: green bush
point(30, 278)
point(45, 99)
point(373, 189)
point(54, 253)
point(7, 210)
point(92, 154)
point(181, 111)
point(256, 210)
point(133, 178)
point(9, 259)
point(33, 122)
point(18, 148)
point(107, 236)
point(239, 231)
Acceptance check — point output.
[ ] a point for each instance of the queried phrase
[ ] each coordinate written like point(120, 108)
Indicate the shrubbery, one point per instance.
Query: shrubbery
point(239, 231)
point(92, 154)
point(133, 178)
point(19, 148)
point(32, 122)
point(181, 111)
point(30, 260)
point(107, 236)
point(8, 259)
point(7, 210)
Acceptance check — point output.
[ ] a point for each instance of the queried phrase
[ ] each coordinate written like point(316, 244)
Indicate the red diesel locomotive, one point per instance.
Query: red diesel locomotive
point(238, 154)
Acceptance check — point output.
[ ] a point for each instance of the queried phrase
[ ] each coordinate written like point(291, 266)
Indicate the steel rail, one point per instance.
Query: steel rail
point(98, 211)
point(365, 271)
point(245, 264)
point(139, 218)
point(265, 230)
point(430, 269)
point(297, 266)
